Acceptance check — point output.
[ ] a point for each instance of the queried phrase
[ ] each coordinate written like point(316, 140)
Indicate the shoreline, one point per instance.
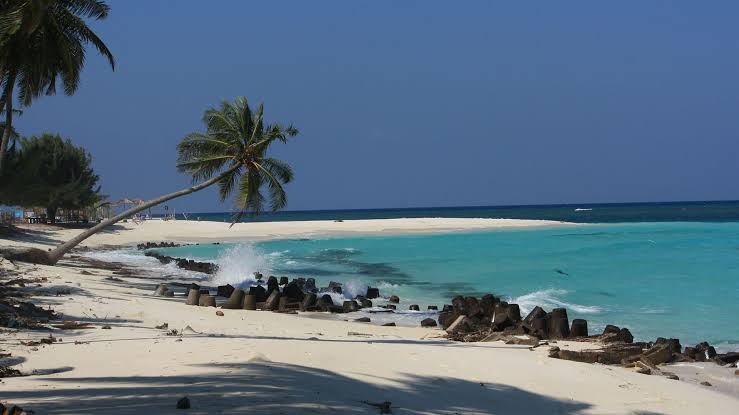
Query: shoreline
point(235, 363)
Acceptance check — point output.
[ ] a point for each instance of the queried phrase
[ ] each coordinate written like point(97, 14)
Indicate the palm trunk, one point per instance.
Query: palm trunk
point(56, 254)
point(8, 97)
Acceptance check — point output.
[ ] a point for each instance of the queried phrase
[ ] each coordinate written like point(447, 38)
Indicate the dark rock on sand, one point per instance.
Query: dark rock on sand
point(428, 322)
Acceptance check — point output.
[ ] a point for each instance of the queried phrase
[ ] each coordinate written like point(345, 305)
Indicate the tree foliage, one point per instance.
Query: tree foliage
point(50, 172)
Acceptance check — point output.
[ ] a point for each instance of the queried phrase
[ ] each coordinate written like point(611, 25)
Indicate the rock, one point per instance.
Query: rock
point(366, 303)
point(487, 305)
point(225, 290)
point(206, 300)
point(704, 383)
point(284, 280)
point(391, 324)
point(514, 313)
point(659, 353)
point(372, 293)
point(579, 328)
point(259, 292)
point(731, 357)
point(394, 299)
point(612, 334)
point(611, 329)
point(250, 302)
point(472, 307)
point(235, 300)
point(183, 403)
point(326, 300)
point(538, 328)
point(644, 370)
point(105, 327)
point(390, 306)
point(414, 307)
point(736, 372)
point(608, 355)
point(193, 297)
point(446, 318)
point(219, 313)
point(310, 285)
point(432, 308)
point(554, 352)
point(672, 344)
point(272, 285)
point(350, 306)
point(362, 320)
point(447, 308)
point(428, 322)
point(672, 376)
point(293, 291)
point(272, 301)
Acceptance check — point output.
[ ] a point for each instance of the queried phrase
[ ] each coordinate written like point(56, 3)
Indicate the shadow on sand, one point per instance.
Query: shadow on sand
point(263, 387)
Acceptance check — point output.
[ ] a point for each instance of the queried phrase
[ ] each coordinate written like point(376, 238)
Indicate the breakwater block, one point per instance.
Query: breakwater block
point(235, 300)
point(193, 297)
point(250, 302)
point(206, 300)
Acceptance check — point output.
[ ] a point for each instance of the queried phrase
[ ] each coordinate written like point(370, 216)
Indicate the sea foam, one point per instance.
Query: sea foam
point(550, 298)
point(237, 265)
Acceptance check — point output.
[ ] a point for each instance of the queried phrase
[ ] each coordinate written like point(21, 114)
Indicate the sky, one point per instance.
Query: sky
point(421, 103)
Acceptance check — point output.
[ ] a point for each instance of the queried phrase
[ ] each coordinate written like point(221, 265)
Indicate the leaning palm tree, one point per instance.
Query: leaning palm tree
point(40, 41)
point(232, 154)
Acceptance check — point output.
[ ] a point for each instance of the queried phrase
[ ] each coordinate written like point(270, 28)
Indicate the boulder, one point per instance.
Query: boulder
point(394, 299)
point(659, 353)
point(235, 300)
point(487, 305)
point(366, 303)
point(579, 328)
point(206, 300)
point(726, 358)
point(672, 344)
point(259, 292)
point(225, 290)
point(272, 302)
point(472, 306)
point(372, 293)
point(613, 334)
point(193, 297)
point(428, 322)
point(501, 318)
point(250, 302)
point(350, 306)
point(414, 307)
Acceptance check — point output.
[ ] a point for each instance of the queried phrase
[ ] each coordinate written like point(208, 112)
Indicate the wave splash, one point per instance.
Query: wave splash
point(237, 265)
point(550, 298)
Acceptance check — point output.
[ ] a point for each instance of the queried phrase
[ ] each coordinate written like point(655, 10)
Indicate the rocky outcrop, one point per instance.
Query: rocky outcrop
point(188, 264)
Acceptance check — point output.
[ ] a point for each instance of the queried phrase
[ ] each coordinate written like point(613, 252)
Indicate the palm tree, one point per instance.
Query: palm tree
point(232, 153)
point(40, 41)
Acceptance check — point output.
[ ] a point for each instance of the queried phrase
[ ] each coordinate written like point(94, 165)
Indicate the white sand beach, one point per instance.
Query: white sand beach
point(261, 362)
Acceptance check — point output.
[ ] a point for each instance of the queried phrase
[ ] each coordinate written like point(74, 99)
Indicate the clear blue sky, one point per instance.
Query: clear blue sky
point(423, 103)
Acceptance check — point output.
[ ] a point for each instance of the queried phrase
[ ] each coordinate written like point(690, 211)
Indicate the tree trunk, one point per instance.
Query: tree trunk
point(51, 214)
point(8, 96)
point(56, 254)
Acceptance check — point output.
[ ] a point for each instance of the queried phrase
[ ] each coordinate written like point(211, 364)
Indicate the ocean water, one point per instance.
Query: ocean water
point(722, 211)
point(676, 279)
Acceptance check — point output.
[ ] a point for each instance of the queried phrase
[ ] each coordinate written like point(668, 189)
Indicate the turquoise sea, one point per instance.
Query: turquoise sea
point(666, 278)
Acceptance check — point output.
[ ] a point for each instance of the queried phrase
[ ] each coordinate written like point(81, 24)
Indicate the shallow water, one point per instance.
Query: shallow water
point(659, 279)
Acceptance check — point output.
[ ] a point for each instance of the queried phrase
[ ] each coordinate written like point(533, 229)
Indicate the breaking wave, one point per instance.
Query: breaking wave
point(551, 298)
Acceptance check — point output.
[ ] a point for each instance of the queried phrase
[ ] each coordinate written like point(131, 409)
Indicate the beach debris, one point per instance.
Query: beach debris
point(8, 372)
point(72, 325)
point(362, 320)
point(106, 327)
point(391, 324)
point(183, 403)
point(172, 332)
point(384, 407)
point(219, 313)
point(354, 333)
point(189, 329)
point(114, 279)
point(162, 326)
point(428, 322)
point(706, 383)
